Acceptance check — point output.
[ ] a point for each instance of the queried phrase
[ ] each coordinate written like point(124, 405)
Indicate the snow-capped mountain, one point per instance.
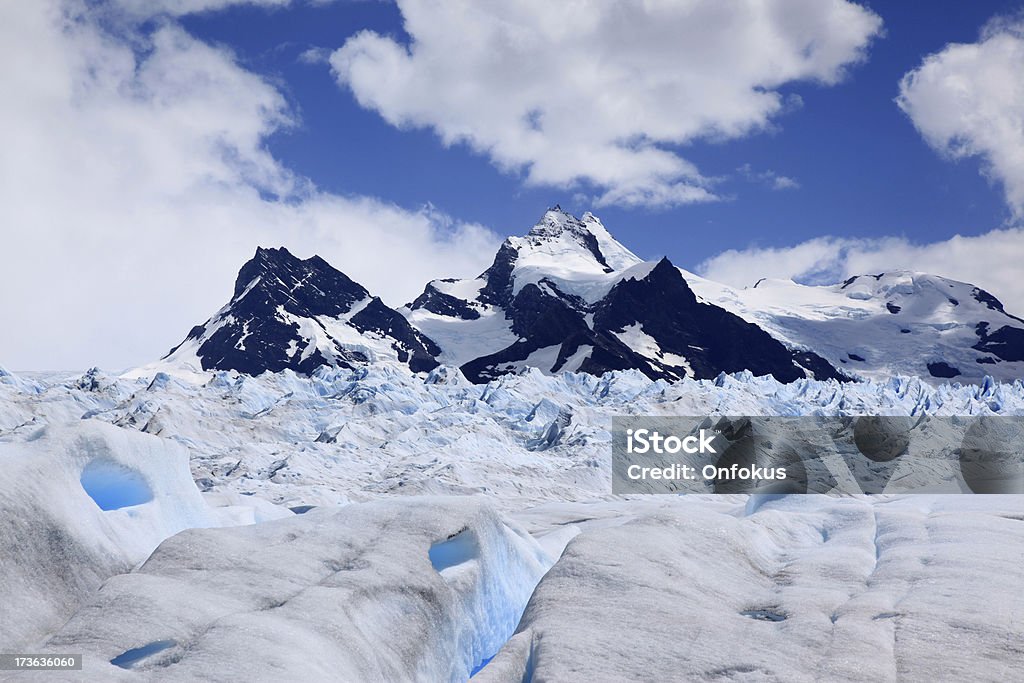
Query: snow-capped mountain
point(300, 314)
point(896, 323)
point(569, 297)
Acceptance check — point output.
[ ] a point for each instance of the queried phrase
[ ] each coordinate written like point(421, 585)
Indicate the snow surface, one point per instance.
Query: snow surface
point(463, 340)
point(635, 338)
point(58, 542)
point(807, 588)
point(555, 250)
point(343, 594)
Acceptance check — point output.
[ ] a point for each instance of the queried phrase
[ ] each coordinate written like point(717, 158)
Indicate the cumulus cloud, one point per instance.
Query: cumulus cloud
point(600, 93)
point(967, 100)
point(135, 180)
point(991, 261)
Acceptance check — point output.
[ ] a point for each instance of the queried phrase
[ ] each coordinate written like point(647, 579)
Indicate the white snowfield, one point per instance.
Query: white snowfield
point(401, 585)
point(892, 323)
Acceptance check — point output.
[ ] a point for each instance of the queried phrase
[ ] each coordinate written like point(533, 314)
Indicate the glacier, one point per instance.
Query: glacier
point(806, 588)
point(379, 524)
point(346, 594)
point(59, 540)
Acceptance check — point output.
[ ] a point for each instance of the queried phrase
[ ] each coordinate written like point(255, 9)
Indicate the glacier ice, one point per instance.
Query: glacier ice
point(806, 588)
point(216, 577)
point(346, 594)
point(57, 545)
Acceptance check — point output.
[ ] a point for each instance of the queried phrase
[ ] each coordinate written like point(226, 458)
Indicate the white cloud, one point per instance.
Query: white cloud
point(770, 178)
point(599, 92)
point(781, 182)
point(177, 8)
point(967, 100)
point(315, 55)
point(134, 181)
point(990, 261)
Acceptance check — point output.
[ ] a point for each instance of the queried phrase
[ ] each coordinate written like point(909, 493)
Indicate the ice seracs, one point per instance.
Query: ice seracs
point(342, 435)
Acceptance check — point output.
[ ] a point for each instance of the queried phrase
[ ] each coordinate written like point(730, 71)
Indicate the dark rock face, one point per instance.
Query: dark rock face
point(993, 303)
point(711, 339)
point(943, 370)
point(567, 296)
point(259, 330)
point(436, 301)
point(1006, 343)
point(695, 339)
point(498, 290)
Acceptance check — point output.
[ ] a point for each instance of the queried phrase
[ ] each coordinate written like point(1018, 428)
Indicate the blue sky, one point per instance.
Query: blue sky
point(151, 145)
point(861, 167)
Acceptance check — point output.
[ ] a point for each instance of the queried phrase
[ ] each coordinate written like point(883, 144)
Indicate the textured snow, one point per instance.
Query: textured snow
point(463, 340)
point(58, 542)
point(555, 250)
point(349, 435)
point(617, 256)
point(806, 588)
point(635, 338)
point(347, 594)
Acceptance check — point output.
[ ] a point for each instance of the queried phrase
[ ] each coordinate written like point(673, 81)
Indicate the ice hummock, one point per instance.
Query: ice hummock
point(347, 594)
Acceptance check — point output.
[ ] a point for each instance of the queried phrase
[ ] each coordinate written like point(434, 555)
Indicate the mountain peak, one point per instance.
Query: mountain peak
point(555, 221)
point(284, 277)
point(559, 226)
point(272, 252)
point(298, 314)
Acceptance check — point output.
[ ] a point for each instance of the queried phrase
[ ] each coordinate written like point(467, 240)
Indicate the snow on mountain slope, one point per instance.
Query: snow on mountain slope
point(538, 305)
point(297, 314)
point(401, 590)
point(887, 324)
point(567, 296)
